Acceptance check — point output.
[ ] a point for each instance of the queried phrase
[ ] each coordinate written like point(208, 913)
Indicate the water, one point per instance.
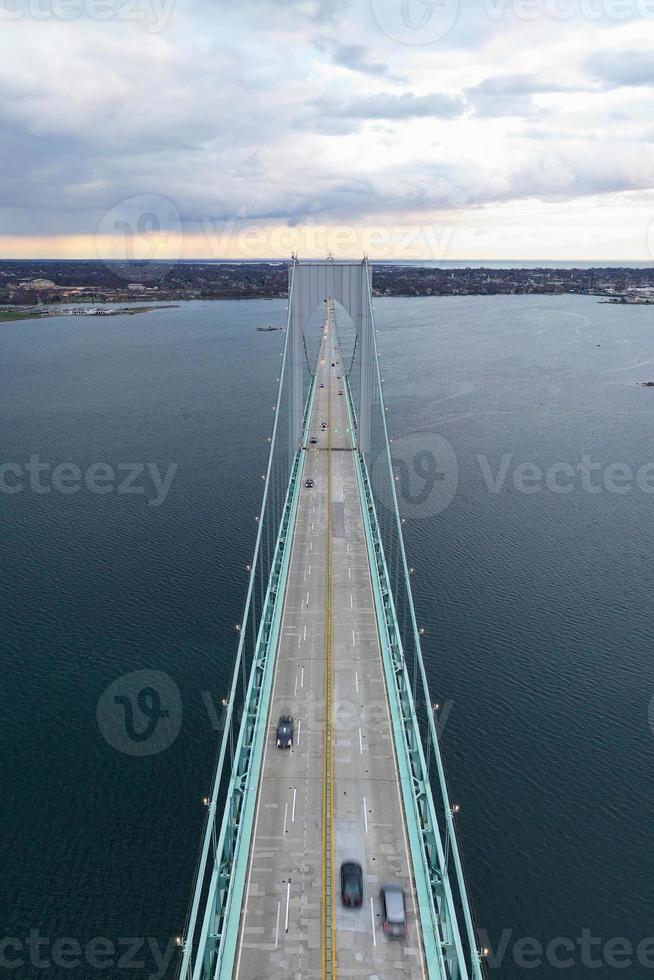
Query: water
point(536, 606)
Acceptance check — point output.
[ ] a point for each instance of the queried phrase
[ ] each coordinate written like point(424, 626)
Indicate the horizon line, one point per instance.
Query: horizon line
point(595, 263)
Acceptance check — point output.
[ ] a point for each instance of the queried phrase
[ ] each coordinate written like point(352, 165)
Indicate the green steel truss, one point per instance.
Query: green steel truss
point(208, 946)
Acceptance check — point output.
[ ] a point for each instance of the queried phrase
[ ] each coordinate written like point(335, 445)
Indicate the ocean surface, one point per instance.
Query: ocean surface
point(536, 603)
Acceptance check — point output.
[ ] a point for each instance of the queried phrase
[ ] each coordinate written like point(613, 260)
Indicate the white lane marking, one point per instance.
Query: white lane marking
point(309, 570)
point(351, 601)
point(404, 830)
point(285, 816)
point(360, 743)
point(288, 902)
point(279, 908)
point(372, 916)
point(302, 678)
point(305, 631)
point(268, 742)
point(311, 546)
point(307, 598)
point(299, 729)
point(354, 642)
point(356, 680)
point(299, 641)
point(365, 814)
point(293, 810)
point(349, 572)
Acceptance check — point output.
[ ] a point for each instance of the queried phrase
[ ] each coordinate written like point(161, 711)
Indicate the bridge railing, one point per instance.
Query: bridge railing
point(451, 904)
point(202, 940)
point(234, 785)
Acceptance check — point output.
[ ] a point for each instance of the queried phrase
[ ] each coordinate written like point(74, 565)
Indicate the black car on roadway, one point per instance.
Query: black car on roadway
point(351, 884)
point(285, 732)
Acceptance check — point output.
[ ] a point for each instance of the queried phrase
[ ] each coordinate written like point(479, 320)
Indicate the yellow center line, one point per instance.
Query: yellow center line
point(328, 896)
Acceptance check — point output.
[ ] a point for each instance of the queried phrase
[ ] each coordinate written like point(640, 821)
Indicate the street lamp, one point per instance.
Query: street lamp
point(453, 812)
point(434, 708)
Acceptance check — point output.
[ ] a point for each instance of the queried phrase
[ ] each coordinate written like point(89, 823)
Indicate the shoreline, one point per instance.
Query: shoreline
point(10, 315)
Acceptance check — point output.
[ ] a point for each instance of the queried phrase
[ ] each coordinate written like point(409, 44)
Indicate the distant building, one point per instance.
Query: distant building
point(135, 285)
point(37, 284)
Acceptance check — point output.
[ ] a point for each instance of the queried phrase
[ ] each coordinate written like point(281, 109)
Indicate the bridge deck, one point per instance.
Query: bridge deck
point(328, 612)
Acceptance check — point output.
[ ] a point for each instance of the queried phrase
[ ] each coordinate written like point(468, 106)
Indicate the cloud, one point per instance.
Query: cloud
point(356, 57)
point(248, 112)
point(394, 107)
point(511, 95)
point(622, 68)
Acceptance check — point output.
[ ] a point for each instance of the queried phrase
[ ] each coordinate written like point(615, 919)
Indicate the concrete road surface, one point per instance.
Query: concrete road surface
point(282, 923)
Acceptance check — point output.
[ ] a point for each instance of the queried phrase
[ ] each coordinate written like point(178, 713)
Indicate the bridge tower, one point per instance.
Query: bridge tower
point(310, 285)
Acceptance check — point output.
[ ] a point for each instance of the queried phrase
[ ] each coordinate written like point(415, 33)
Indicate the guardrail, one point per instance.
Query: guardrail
point(207, 948)
point(219, 872)
point(452, 950)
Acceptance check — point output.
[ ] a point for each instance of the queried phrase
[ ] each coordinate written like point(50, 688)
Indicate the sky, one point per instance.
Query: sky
point(405, 129)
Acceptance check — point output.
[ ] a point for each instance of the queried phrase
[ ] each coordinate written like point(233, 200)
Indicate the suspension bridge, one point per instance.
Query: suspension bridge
point(329, 639)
